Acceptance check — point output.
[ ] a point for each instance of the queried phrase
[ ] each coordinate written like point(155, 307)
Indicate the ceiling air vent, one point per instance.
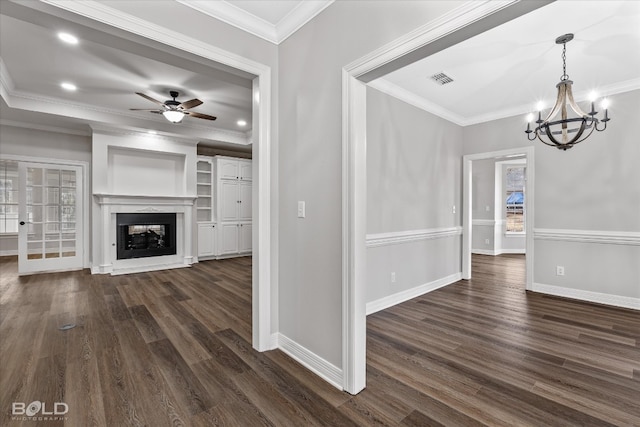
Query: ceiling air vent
point(441, 78)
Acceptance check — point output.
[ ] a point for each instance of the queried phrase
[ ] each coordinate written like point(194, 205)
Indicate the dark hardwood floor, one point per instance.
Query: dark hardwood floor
point(172, 348)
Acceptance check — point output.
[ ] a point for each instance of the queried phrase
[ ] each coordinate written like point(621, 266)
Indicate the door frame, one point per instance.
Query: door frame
point(264, 247)
point(86, 262)
point(466, 21)
point(467, 198)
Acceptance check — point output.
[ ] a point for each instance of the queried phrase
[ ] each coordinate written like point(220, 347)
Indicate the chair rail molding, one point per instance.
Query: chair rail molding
point(629, 238)
point(397, 237)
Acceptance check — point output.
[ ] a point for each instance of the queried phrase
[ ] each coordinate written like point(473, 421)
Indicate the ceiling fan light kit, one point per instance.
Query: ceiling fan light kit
point(173, 116)
point(172, 110)
point(566, 132)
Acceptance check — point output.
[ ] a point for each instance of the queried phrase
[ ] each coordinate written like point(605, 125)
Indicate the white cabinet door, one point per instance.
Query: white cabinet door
point(244, 166)
point(229, 201)
point(245, 237)
point(228, 169)
point(206, 239)
point(228, 239)
point(244, 196)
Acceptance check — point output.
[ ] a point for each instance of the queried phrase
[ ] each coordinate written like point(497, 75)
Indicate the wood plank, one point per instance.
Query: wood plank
point(173, 348)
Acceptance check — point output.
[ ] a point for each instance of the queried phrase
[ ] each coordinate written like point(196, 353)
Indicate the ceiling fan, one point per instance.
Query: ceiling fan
point(173, 110)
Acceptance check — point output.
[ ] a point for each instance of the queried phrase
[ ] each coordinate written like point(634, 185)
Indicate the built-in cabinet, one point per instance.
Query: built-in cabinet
point(224, 207)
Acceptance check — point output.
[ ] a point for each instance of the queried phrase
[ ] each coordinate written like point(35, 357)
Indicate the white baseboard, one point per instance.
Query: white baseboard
point(408, 294)
point(511, 251)
point(483, 252)
point(316, 364)
point(9, 253)
point(498, 252)
point(597, 297)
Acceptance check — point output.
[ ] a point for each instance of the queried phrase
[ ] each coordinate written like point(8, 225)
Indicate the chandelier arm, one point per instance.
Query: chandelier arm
point(573, 104)
point(595, 126)
point(559, 102)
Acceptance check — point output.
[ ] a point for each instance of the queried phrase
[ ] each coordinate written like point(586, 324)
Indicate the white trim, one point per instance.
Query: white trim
point(457, 19)
point(385, 239)
point(9, 253)
point(261, 216)
point(316, 364)
point(354, 203)
point(354, 223)
point(498, 252)
point(597, 297)
point(227, 12)
point(406, 295)
point(484, 252)
point(484, 222)
point(588, 236)
point(46, 128)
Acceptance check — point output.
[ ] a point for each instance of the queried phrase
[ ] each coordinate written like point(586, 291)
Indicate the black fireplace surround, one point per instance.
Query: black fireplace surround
point(145, 234)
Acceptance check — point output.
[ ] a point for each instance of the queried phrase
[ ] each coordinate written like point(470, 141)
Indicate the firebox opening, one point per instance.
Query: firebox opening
point(146, 235)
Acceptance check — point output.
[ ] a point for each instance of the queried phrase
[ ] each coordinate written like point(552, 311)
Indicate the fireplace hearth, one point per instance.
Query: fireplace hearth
point(141, 235)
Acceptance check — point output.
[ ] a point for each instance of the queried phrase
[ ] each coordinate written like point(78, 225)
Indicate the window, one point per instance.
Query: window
point(515, 193)
point(8, 196)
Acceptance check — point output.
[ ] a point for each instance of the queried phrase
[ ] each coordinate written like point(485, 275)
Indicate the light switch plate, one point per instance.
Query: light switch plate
point(301, 209)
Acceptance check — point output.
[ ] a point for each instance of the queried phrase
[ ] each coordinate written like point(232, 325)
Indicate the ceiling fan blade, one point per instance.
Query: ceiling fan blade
point(200, 115)
point(190, 104)
point(150, 98)
point(145, 109)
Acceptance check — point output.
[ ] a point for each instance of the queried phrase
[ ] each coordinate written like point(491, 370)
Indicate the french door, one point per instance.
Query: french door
point(50, 217)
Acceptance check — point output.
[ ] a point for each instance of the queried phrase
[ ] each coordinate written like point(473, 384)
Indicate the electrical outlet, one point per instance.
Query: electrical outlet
point(454, 209)
point(487, 241)
point(559, 270)
point(487, 208)
point(393, 277)
point(301, 209)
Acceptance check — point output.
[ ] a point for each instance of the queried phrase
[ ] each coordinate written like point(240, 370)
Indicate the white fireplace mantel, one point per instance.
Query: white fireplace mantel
point(138, 199)
point(112, 204)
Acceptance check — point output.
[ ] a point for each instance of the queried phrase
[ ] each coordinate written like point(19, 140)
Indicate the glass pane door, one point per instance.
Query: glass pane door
point(50, 220)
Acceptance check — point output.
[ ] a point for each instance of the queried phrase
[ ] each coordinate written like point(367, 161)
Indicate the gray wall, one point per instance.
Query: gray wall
point(483, 195)
point(310, 158)
point(593, 187)
point(413, 182)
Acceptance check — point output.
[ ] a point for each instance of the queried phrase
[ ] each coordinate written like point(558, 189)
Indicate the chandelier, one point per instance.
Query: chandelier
point(566, 132)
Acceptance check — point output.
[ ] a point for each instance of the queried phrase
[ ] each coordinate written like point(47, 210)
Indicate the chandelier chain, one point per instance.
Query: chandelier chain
point(564, 63)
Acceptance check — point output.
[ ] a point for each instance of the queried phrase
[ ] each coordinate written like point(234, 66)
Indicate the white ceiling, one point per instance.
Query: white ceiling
point(508, 69)
point(108, 69)
point(499, 73)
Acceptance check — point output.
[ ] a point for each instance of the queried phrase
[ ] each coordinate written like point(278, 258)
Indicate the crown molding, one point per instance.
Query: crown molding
point(240, 18)
point(304, 12)
point(411, 98)
point(46, 128)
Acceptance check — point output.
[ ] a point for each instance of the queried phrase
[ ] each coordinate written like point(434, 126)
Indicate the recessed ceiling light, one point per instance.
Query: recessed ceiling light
point(241, 122)
point(68, 86)
point(68, 38)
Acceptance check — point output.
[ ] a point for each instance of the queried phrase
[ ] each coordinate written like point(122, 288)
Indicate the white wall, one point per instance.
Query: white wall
point(413, 182)
point(588, 193)
point(26, 142)
point(310, 158)
point(141, 165)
